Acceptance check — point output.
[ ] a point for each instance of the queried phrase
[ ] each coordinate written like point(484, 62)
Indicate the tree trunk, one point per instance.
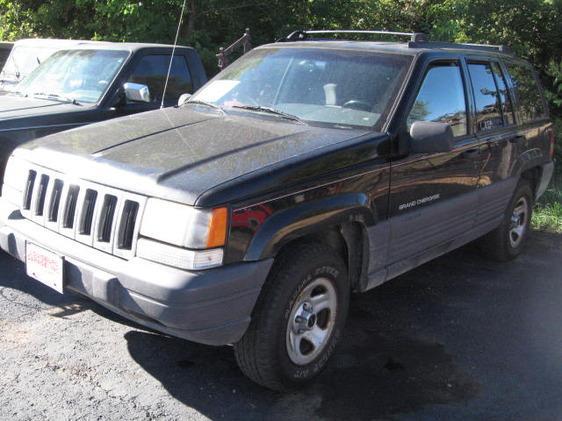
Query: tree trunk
point(191, 16)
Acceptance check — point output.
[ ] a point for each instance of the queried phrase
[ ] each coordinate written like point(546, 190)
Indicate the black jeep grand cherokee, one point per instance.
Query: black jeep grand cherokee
point(305, 171)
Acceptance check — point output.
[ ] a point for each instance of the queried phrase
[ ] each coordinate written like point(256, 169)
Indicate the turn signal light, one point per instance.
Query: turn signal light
point(218, 225)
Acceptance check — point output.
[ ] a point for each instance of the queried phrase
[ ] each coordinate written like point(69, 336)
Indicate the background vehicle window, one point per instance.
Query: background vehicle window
point(152, 71)
point(531, 105)
point(80, 75)
point(441, 99)
point(488, 106)
point(507, 106)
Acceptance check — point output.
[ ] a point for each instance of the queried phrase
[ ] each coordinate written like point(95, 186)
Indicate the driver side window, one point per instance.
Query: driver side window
point(441, 98)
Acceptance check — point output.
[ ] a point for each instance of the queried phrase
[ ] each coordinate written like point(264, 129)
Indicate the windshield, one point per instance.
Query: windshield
point(74, 75)
point(343, 88)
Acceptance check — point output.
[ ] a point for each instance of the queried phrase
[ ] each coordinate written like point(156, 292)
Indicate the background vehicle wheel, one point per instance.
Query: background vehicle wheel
point(508, 240)
point(298, 319)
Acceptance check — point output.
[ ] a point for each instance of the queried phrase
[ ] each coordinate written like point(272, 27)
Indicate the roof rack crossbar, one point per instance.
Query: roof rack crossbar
point(303, 34)
point(464, 46)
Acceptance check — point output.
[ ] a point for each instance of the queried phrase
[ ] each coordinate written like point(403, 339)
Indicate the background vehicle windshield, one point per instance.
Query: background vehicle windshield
point(81, 75)
point(323, 86)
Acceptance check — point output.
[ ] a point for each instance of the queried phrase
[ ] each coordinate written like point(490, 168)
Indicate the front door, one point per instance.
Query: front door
point(433, 197)
point(151, 70)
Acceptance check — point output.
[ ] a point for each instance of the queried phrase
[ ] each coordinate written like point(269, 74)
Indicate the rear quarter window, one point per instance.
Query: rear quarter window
point(528, 92)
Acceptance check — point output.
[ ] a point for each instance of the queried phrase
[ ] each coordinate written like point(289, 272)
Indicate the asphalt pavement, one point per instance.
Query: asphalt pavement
point(458, 338)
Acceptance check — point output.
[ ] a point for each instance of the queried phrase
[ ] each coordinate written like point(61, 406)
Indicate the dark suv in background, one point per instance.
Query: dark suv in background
point(308, 169)
point(92, 82)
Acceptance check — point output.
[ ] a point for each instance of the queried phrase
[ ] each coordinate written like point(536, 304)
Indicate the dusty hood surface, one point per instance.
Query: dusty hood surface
point(178, 154)
point(12, 106)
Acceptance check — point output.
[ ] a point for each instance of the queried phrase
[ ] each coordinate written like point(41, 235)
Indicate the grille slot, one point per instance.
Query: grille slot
point(106, 218)
point(101, 217)
point(127, 225)
point(29, 190)
point(41, 195)
point(53, 214)
point(70, 207)
point(87, 216)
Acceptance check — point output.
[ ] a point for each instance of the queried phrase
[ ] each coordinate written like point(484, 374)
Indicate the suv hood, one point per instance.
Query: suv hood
point(178, 154)
point(16, 109)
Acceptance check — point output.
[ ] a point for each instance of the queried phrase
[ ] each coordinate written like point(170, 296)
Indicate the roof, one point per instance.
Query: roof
point(62, 44)
point(129, 46)
point(41, 42)
point(389, 47)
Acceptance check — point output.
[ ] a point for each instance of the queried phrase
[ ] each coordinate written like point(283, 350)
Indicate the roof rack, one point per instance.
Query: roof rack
point(439, 44)
point(303, 35)
point(417, 39)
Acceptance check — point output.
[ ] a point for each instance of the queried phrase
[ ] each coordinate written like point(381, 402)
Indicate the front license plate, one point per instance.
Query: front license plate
point(45, 266)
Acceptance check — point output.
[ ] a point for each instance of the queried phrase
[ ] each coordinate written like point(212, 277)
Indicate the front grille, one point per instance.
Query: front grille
point(101, 217)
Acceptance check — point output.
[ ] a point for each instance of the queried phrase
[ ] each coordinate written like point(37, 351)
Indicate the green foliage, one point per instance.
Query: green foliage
point(532, 27)
point(548, 212)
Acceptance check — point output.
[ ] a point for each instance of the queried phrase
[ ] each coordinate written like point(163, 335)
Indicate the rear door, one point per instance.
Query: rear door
point(433, 197)
point(495, 125)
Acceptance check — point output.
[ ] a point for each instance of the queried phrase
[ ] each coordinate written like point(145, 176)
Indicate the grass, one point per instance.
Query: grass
point(548, 211)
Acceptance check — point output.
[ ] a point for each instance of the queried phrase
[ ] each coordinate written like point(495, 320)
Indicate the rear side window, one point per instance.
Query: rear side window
point(507, 106)
point(486, 96)
point(441, 98)
point(152, 71)
point(526, 88)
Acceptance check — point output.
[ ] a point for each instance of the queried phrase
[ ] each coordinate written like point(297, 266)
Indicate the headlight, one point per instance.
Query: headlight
point(184, 226)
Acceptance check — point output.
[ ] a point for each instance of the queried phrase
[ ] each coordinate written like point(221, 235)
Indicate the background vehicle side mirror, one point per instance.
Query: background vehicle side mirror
point(136, 92)
point(431, 137)
point(183, 99)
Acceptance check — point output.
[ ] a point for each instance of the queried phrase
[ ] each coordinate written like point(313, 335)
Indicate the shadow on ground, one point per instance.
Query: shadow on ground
point(384, 366)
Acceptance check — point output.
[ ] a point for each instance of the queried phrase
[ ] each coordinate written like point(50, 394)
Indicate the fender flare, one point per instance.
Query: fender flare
point(307, 218)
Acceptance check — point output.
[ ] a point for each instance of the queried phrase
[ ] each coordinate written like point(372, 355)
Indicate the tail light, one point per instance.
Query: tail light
point(552, 141)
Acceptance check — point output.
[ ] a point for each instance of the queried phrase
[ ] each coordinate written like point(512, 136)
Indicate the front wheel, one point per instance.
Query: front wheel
point(508, 240)
point(298, 319)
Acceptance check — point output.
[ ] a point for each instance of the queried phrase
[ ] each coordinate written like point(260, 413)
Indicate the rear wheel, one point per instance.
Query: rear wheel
point(508, 240)
point(298, 319)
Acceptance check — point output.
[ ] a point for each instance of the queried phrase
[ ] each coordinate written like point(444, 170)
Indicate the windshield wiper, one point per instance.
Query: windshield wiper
point(269, 110)
point(56, 97)
point(208, 104)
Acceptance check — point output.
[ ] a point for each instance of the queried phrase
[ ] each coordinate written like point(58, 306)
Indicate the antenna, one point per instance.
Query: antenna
point(173, 54)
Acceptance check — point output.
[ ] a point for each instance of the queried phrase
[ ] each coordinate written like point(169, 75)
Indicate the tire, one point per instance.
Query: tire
point(276, 351)
point(508, 240)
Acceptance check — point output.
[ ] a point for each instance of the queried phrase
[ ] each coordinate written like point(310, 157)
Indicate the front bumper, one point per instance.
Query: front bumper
point(212, 307)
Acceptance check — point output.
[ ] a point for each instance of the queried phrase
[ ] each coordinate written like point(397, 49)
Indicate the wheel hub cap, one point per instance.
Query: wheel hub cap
point(519, 221)
point(311, 321)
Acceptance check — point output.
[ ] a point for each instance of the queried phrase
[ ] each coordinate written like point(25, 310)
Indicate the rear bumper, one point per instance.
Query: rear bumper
point(211, 307)
point(547, 172)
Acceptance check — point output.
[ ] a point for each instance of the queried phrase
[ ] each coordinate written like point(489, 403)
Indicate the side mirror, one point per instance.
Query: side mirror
point(431, 137)
point(183, 99)
point(136, 92)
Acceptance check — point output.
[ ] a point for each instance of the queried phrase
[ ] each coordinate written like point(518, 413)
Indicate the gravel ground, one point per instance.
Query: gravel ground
point(458, 338)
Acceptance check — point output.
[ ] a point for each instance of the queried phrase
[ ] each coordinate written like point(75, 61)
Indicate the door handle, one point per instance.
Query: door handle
point(471, 153)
